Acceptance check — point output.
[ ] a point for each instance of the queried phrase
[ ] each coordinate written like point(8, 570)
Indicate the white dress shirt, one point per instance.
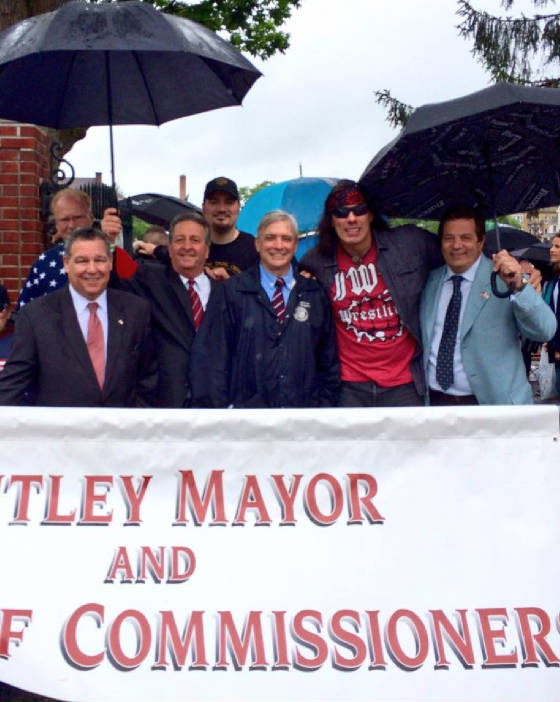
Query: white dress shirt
point(202, 287)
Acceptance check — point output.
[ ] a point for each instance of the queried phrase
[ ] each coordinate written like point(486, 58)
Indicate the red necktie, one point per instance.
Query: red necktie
point(96, 343)
point(278, 299)
point(196, 304)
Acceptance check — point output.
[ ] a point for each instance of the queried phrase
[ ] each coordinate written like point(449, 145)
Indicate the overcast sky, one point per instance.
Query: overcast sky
point(314, 104)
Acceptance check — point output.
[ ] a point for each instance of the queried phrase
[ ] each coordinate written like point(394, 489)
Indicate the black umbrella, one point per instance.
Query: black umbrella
point(116, 63)
point(157, 209)
point(498, 149)
point(536, 253)
point(510, 238)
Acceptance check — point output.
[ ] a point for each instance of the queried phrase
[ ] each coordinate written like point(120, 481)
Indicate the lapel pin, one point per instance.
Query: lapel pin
point(120, 321)
point(485, 295)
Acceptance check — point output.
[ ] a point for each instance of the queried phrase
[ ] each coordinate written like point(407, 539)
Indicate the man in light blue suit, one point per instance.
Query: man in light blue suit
point(471, 338)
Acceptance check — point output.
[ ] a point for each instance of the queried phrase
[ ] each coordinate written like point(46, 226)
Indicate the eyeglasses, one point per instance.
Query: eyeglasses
point(71, 220)
point(356, 210)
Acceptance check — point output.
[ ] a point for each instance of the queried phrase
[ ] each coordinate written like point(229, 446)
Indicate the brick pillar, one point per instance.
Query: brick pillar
point(24, 164)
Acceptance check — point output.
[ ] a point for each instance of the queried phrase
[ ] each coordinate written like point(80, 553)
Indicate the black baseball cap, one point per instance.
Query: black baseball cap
point(221, 183)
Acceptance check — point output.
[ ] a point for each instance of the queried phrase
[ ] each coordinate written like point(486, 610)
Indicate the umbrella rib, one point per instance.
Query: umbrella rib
point(65, 87)
point(148, 92)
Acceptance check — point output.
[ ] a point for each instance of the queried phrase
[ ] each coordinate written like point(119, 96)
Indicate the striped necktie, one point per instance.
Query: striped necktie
point(196, 304)
point(278, 300)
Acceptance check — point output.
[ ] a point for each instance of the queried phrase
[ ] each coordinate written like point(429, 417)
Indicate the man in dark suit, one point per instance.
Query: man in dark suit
point(178, 294)
point(83, 345)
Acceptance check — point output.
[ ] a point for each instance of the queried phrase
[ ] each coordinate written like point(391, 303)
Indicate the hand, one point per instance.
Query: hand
point(144, 248)
point(4, 316)
point(111, 223)
point(557, 355)
point(508, 268)
point(218, 273)
point(535, 277)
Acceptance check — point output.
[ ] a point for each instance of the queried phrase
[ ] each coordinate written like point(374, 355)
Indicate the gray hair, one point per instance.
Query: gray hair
point(278, 216)
point(190, 217)
point(86, 234)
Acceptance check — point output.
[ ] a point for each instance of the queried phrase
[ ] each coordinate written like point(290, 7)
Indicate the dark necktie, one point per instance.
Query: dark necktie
point(444, 364)
point(278, 300)
point(196, 304)
point(96, 343)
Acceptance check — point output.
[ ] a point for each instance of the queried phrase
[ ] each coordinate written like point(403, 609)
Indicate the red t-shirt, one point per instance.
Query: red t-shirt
point(373, 344)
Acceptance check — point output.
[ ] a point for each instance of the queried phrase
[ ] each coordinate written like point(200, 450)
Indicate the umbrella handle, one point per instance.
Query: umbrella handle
point(494, 285)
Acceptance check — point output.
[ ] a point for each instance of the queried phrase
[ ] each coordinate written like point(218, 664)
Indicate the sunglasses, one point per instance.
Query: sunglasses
point(356, 210)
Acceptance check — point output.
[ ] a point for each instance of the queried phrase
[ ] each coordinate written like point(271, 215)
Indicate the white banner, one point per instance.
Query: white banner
point(290, 556)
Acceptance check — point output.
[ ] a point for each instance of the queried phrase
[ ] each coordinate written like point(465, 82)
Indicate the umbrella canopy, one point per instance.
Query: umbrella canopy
point(498, 149)
point(157, 209)
point(510, 238)
point(116, 63)
point(304, 198)
point(536, 253)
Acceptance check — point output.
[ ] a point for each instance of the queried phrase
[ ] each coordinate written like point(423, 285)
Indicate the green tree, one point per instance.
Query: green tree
point(519, 49)
point(245, 192)
point(251, 25)
point(515, 49)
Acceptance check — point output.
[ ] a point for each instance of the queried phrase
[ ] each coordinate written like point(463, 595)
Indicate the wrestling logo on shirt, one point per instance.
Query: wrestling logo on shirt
point(364, 305)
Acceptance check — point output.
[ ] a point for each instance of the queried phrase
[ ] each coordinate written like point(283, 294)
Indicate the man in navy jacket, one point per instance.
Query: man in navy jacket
point(268, 337)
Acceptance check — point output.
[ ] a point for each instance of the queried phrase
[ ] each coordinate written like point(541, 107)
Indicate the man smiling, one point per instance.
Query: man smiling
point(471, 338)
point(178, 294)
point(268, 338)
point(373, 276)
point(82, 345)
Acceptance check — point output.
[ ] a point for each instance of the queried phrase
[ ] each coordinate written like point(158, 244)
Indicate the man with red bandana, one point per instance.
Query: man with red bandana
point(374, 277)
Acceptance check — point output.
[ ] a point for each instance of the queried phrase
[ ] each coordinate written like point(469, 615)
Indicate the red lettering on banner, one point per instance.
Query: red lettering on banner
point(21, 515)
point(120, 564)
point(531, 640)
point(93, 499)
point(181, 563)
point(355, 479)
point(213, 495)
point(143, 633)
point(169, 638)
point(336, 495)
point(8, 634)
point(185, 554)
point(252, 498)
point(252, 637)
point(286, 497)
point(490, 636)
point(280, 643)
point(376, 645)
point(72, 652)
point(53, 515)
point(310, 639)
point(152, 562)
point(347, 638)
point(134, 498)
point(419, 633)
point(459, 640)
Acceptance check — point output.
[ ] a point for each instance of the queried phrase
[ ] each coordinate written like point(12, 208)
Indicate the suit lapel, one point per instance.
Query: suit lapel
point(182, 295)
point(479, 295)
point(433, 293)
point(116, 329)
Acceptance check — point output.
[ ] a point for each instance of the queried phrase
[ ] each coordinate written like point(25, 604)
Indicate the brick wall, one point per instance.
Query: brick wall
point(24, 164)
